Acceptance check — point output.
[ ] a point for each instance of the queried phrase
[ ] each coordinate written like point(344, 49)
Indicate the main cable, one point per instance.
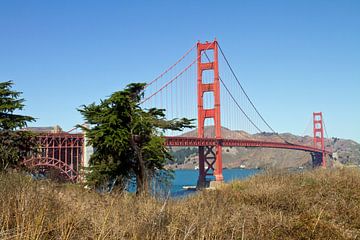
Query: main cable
point(248, 98)
point(307, 128)
point(174, 78)
point(169, 82)
point(237, 104)
point(327, 136)
point(332, 144)
point(171, 67)
point(243, 90)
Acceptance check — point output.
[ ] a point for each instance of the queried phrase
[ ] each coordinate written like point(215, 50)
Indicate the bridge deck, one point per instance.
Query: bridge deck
point(195, 142)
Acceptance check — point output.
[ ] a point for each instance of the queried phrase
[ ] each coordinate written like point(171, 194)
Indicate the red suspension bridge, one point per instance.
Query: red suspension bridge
point(192, 90)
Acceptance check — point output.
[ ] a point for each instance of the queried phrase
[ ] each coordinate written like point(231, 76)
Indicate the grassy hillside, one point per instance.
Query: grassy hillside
point(321, 204)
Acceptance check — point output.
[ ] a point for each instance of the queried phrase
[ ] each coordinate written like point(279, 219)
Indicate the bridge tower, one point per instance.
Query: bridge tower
point(210, 158)
point(319, 138)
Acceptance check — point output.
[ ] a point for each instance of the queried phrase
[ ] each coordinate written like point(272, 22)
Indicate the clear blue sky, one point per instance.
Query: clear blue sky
point(293, 57)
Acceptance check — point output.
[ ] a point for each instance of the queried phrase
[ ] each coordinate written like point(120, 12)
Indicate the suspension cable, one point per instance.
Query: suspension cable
point(248, 98)
point(169, 82)
point(332, 144)
point(237, 104)
point(171, 67)
point(174, 78)
point(243, 90)
point(307, 127)
point(327, 136)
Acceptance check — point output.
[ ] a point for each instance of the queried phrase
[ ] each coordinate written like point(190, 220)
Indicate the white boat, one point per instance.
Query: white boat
point(189, 187)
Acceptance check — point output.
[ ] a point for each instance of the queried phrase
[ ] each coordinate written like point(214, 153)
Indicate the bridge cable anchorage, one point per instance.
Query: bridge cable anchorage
point(171, 67)
point(174, 78)
point(233, 98)
point(248, 98)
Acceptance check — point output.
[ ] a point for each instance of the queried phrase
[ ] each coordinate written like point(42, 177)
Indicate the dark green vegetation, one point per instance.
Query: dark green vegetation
point(14, 145)
point(127, 139)
point(180, 155)
point(319, 204)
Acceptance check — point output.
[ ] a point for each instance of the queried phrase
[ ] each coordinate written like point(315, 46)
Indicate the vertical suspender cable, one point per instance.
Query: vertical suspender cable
point(243, 90)
point(237, 104)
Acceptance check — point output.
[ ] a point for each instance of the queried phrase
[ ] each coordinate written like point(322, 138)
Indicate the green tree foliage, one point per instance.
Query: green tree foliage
point(127, 139)
point(14, 145)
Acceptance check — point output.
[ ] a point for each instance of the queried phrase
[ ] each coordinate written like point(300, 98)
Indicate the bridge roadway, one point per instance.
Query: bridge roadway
point(196, 142)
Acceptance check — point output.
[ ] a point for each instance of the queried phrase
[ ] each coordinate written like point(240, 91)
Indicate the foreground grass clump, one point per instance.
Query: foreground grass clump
point(321, 204)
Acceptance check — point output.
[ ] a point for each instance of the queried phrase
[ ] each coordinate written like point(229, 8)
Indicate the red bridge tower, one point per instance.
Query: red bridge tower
point(319, 138)
point(209, 155)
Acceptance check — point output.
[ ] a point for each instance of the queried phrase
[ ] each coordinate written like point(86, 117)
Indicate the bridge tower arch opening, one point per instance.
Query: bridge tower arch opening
point(210, 157)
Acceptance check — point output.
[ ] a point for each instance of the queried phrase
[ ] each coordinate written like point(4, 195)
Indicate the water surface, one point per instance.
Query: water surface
point(189, 178)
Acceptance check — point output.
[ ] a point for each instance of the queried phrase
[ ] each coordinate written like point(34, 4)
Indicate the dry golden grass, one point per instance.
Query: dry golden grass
point(320, 204)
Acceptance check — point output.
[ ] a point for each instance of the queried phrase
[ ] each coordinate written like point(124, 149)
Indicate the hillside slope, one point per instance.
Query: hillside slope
point(348, 151)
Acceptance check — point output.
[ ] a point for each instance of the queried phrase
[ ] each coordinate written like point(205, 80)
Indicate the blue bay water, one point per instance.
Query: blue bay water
point(189, 178)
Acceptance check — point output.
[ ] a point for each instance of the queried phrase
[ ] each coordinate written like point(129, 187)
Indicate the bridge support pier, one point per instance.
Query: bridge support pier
point(317, 159)
point(210, 164)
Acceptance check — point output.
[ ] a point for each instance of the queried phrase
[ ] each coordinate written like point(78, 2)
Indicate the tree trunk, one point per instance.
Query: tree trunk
point(140, 171)
point(141, 178)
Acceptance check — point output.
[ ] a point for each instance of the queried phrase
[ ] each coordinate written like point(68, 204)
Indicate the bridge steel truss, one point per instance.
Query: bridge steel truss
point(203, 142)
point(212, 142)
point(63, 151)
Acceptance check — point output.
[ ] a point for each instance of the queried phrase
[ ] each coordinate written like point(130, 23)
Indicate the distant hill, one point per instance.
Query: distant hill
point(348, 151)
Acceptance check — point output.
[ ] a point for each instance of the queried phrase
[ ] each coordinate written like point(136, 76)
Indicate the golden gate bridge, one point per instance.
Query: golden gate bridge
point(192, 87)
